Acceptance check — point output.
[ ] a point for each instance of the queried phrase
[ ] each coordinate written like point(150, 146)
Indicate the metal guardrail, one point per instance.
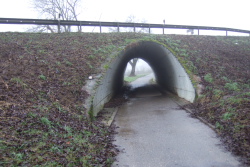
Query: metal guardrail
point(113, 24)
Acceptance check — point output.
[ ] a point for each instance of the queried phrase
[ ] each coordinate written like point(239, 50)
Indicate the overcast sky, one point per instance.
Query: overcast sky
point(219, 13)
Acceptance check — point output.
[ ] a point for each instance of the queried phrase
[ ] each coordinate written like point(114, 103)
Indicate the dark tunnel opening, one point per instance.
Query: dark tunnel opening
point(154, 55)
point(169, 73)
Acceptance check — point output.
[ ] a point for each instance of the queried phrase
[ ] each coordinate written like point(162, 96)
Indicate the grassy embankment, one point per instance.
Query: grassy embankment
point(42, 117)
point(222, 66)
point(43, 120)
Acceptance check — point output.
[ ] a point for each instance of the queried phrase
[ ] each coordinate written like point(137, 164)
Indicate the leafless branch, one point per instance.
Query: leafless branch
point(50, 9)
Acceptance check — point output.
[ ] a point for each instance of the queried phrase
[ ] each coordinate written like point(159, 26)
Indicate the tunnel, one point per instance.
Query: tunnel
point(169, 73)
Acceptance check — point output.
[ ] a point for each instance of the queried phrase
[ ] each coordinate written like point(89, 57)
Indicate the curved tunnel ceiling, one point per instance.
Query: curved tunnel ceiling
point(169, 73)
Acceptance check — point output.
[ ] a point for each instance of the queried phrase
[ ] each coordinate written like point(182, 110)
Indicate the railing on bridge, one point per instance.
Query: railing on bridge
point(114, 24)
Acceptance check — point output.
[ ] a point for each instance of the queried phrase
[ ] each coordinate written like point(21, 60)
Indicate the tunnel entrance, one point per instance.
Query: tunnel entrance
point(135, 69)
point(169, 73)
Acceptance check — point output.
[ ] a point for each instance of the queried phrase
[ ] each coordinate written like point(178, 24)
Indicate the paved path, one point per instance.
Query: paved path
point(154, 132)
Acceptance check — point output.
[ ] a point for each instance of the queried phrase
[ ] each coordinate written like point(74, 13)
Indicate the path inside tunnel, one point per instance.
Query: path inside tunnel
point(154, 131)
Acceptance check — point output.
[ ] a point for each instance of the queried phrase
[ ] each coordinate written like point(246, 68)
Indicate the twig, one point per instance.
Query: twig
point(6, 85)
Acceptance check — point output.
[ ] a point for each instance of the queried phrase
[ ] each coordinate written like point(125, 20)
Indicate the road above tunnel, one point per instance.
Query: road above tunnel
point(154, 131)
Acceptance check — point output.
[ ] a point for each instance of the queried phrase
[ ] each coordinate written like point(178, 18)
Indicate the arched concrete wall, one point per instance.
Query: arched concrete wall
point(169, 73)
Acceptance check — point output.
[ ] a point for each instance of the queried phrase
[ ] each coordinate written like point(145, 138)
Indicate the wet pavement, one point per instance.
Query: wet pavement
point(154, 131)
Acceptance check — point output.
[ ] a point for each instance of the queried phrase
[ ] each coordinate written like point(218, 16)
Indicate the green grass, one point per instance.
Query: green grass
point(131, 79)
point(208, 77)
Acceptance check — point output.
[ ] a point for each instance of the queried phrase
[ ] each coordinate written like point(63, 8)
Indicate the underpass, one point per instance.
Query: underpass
point(169, 73)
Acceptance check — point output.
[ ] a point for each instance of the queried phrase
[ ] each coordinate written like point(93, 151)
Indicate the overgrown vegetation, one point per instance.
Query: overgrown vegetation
point(43, 120)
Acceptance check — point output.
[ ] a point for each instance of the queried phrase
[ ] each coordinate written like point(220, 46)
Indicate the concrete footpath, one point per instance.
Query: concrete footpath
point(153, 132)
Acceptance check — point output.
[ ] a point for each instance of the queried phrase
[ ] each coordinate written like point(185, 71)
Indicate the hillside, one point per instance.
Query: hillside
point(42, 77)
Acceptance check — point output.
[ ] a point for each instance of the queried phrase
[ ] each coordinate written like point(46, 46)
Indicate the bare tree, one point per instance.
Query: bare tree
point(190, 31)
point(57, 9)
point(132, 19)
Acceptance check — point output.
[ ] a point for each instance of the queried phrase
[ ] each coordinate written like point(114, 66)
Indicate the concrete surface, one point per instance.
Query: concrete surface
point(153, 132)
point(169, 73)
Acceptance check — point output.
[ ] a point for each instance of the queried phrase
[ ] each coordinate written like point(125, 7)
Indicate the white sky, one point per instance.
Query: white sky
point(218, 13)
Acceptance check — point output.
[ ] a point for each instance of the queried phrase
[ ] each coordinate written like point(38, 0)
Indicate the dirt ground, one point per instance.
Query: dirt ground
point(42, 118)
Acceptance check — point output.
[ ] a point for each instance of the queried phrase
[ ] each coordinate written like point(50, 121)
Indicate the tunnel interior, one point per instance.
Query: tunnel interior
point(169, 73)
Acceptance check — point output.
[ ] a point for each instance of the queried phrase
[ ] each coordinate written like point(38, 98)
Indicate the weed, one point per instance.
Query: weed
point(226, 79)
point(219, 126)
point(110, 47)
point(174, 45)
point(55, 149)
point(87, 133)
point(58, 63)
point(217, 93)
point(106, 66)
point(208, 77)
point(68, 128)
point(91, 56)
point(90, 66)
point(184, 54)
point(46, 121)
point(232, 86)
point(18, 156)
point(30, 114)
point(227, 115)
point(237, 128)
point(42, 108)
point(18, 81)
point(192, 67)
point(85, 160)
point(79, 139)
point(42, 77)
point(68, 63)
point(35, 131)
point(67, 83)
point(60, 108)
point(109, 161)
point(236, 100)
point(51, 164)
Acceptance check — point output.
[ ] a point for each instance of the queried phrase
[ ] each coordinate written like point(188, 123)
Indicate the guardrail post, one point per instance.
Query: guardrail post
point(149, 28)
point(198, 31)
point(134, 27)
point(118, 28)
point(226, 33)
point(58, 27)
point(100, 27)
point(80, 26)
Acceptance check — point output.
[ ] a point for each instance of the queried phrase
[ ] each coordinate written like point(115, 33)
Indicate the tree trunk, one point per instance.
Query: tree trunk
point(132, 71)
point(133, 65)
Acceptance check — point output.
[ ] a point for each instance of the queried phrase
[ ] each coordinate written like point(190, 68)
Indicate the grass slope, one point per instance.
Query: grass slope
point(223, 67)
point(133, 78)
point(42, 118)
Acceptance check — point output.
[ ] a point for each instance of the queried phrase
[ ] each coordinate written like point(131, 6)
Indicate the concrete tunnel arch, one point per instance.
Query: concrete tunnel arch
point(169, 73)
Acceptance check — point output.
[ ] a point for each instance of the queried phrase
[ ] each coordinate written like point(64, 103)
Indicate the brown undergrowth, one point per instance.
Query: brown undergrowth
point(42, 118)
